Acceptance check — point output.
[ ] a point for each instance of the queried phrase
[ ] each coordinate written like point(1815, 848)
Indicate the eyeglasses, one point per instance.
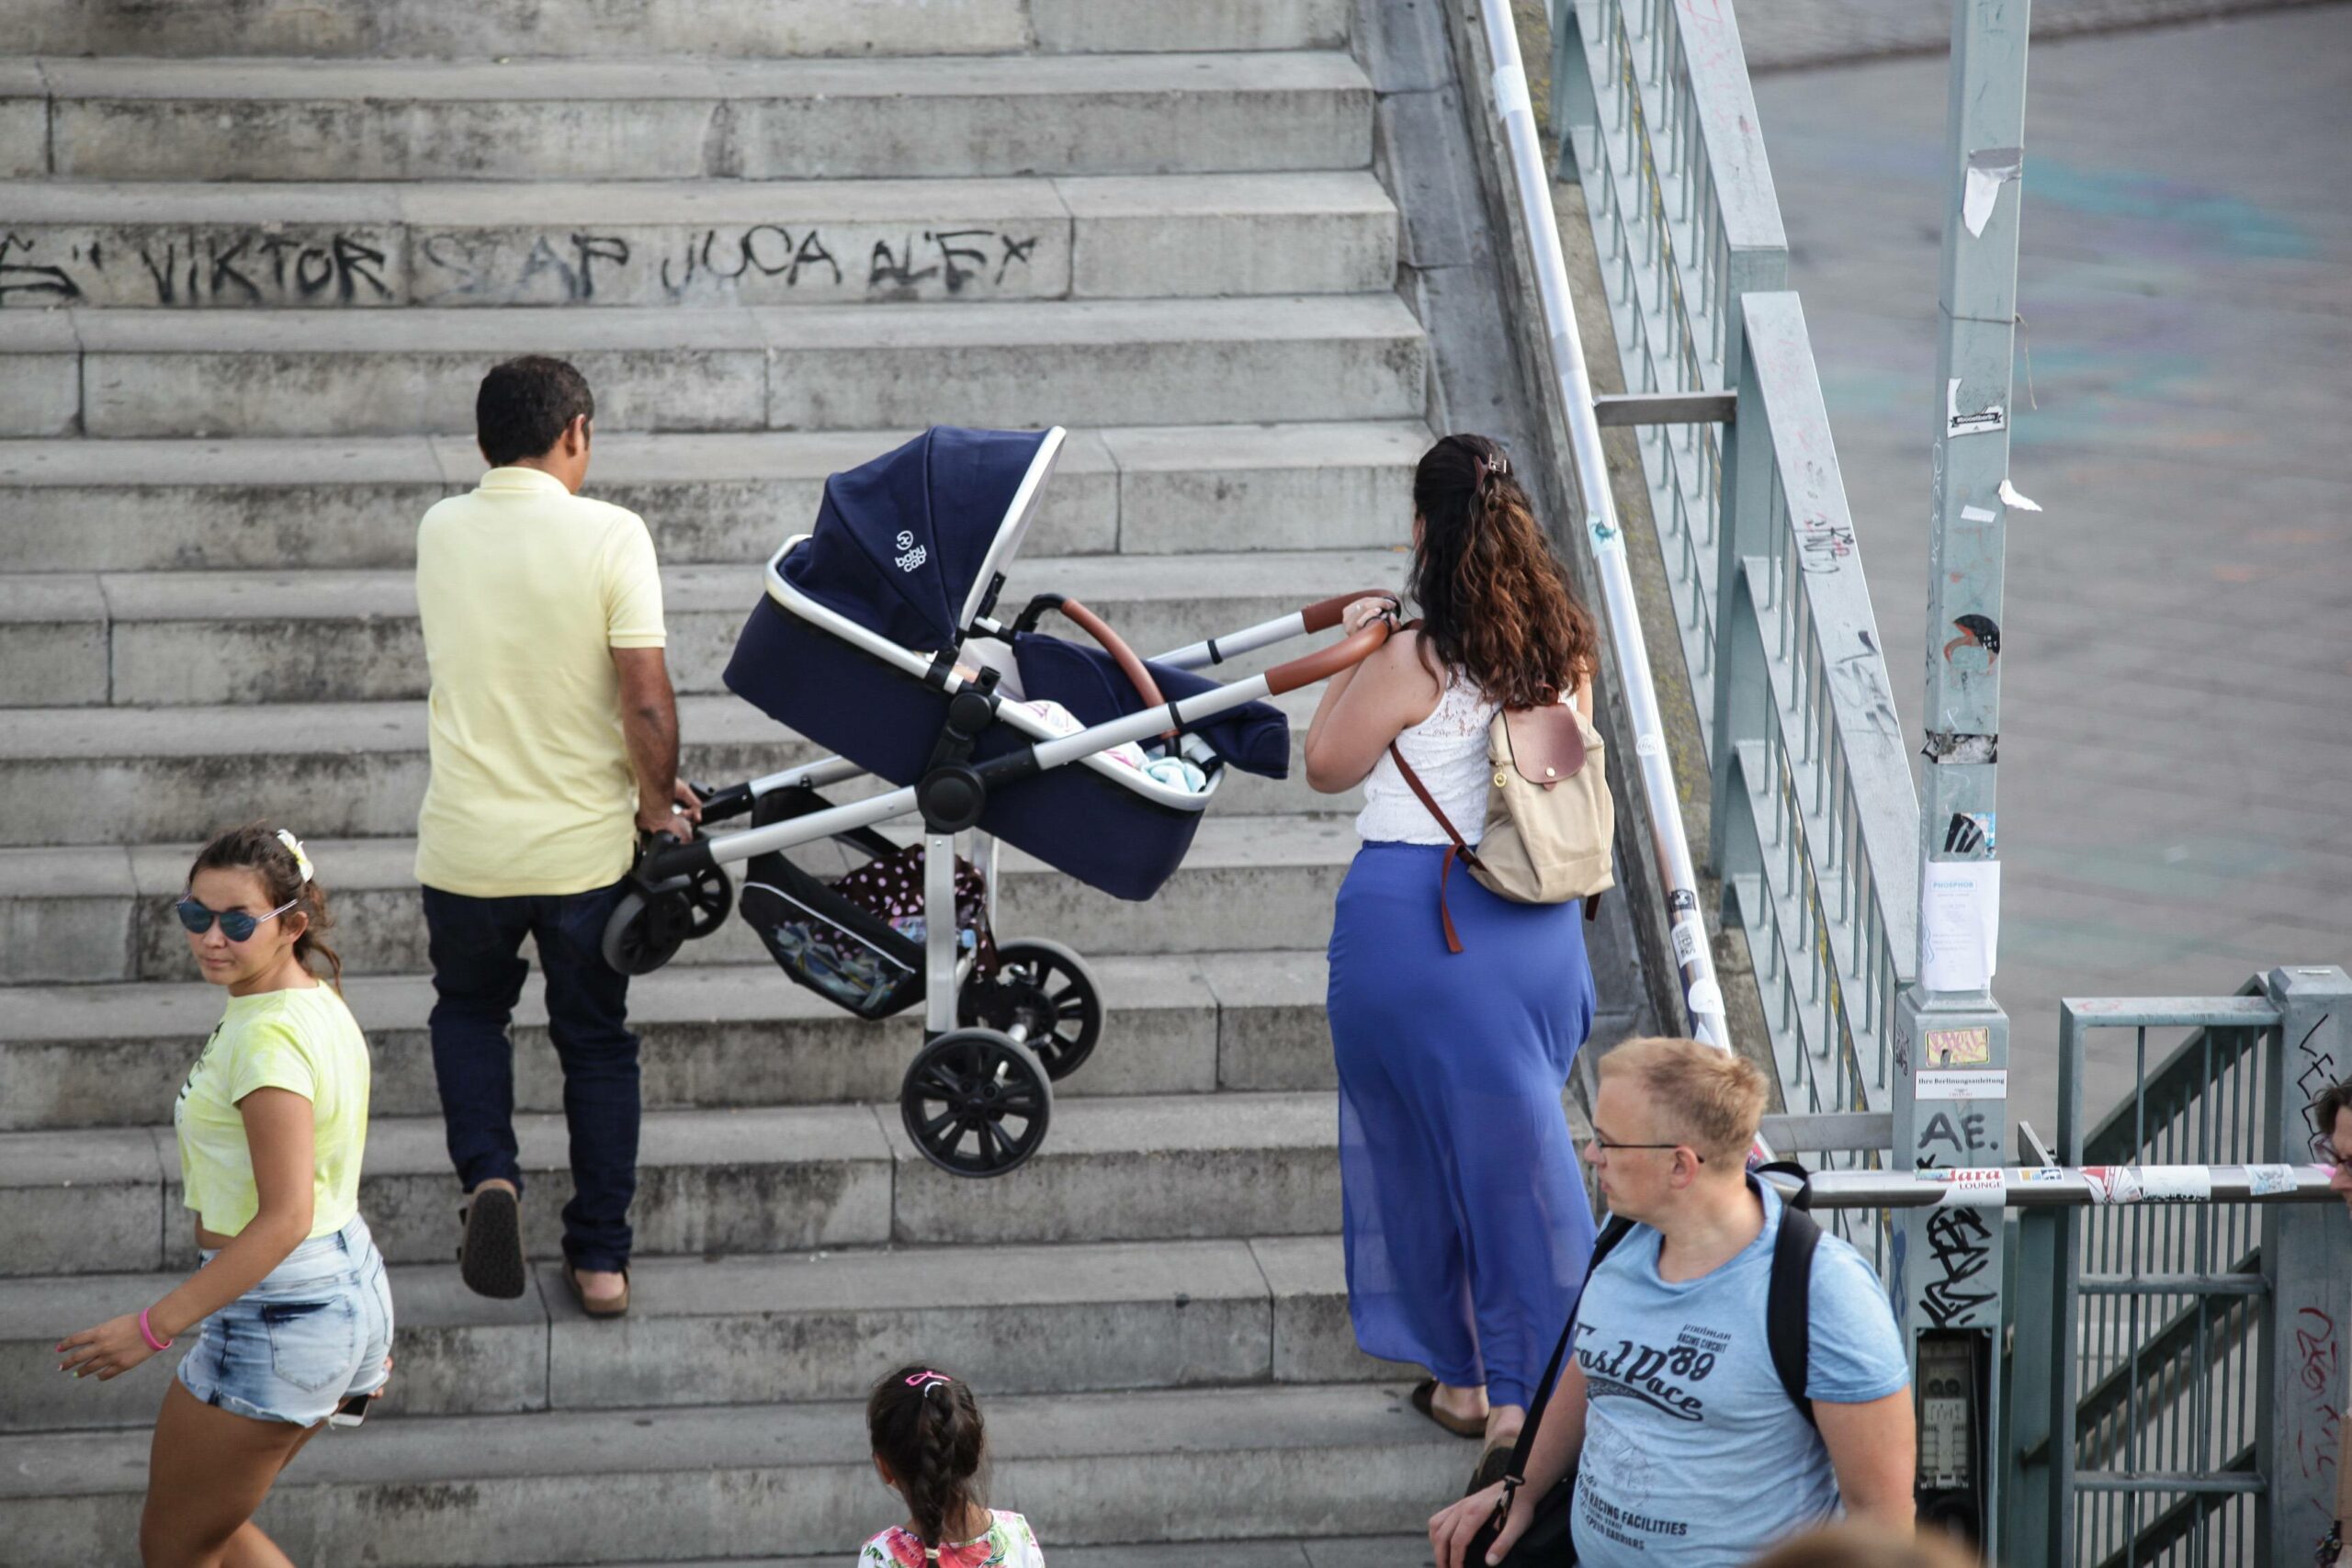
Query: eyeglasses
point(1608, 1147)
point(235, 924)
point(2323, 1151)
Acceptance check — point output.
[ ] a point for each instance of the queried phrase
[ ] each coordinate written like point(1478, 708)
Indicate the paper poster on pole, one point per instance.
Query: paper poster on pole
point(1959, 924)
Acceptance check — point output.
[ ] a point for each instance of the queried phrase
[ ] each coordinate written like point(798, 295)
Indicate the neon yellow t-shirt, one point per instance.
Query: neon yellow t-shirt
point(523, 591)
point(304, 1039)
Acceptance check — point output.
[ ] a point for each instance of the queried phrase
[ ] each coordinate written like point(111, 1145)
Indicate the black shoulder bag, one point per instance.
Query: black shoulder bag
point(1788, 1334)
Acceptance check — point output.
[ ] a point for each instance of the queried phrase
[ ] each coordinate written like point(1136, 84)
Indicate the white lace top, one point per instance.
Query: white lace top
point(1448, 751)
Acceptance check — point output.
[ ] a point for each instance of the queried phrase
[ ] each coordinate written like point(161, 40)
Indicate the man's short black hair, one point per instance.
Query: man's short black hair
point(524, 404)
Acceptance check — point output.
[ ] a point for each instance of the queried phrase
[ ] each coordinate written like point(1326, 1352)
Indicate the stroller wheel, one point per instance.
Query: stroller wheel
point(647, 930)
point(975, 1102)
point(1045, 992)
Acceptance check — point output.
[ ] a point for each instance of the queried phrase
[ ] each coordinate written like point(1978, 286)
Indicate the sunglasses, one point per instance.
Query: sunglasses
point(235, 924)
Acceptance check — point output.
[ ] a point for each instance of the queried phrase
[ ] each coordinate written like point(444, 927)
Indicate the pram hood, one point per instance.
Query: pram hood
point(906, 545)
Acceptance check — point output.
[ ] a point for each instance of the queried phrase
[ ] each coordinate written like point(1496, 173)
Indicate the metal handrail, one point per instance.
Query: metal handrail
point(1702, 994)
point(1814, 821)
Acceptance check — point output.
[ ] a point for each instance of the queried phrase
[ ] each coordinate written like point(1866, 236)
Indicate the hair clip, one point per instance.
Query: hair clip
point(294, 847)
point(926, 1380)
point(1497, 465)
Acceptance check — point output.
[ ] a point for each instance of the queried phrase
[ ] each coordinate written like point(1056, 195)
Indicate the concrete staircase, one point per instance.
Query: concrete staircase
point(249, 275)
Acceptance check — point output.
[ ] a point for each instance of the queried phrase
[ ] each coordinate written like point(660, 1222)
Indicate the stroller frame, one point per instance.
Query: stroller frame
point(984, 1076)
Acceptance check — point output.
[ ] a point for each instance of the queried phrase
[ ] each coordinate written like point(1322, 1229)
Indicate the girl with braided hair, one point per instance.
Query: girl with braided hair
point(929, 1442)
point(290, 1315)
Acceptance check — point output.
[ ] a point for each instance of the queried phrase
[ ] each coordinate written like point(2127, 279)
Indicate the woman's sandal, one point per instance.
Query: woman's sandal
point(616, 1306)
point(490, 1259)
point(1425, 1401)
point(1493, 1465)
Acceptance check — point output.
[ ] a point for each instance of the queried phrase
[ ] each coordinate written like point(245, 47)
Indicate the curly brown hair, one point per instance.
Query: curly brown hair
point(926, 1427)
point(255, 847)
point(1495, 601)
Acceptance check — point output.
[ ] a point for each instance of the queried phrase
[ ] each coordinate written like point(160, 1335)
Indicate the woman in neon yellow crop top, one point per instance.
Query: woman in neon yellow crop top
point(295, 1314)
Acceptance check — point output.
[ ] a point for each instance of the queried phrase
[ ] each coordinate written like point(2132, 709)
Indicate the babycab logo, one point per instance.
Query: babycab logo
point(910, 555)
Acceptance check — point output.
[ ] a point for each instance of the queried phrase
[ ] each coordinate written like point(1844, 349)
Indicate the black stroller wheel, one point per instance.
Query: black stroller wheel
point(646, 931)
point(1045, 991)
point(975, 1102)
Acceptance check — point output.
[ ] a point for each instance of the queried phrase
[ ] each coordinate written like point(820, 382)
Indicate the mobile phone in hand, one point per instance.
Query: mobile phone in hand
point(352, 1411)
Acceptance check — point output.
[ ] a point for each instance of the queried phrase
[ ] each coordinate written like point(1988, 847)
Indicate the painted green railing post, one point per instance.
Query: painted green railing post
point(1951, 1039)
point(2307, 1260)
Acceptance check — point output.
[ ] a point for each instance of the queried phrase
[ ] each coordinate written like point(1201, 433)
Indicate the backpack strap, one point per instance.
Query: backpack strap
point(1459, 850)
point(1787, 1306)
point(1615, 1231)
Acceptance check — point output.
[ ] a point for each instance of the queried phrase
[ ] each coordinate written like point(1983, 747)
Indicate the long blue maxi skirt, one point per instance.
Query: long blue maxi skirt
point(1467, 1225)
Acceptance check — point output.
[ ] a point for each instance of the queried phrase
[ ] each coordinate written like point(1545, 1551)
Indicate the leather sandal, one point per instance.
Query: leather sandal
point(490, 1260)
point(1493, 1465)
point(1425, 1401)
point(617, 1307)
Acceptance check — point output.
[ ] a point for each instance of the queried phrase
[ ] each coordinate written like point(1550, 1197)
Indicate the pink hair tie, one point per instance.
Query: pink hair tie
point(925, 1381)
point(148, 1334)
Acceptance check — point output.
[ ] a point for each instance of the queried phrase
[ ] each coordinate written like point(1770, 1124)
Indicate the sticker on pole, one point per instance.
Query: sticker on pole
point(1970, 1187)
point(2269, 1180)
point(1689, 940)
point(1988, 420)
point(1960, 1047)
point(2149, 1183)
point(1950, 1083)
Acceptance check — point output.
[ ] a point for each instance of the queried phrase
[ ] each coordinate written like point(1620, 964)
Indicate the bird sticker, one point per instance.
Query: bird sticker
point(1977, 631)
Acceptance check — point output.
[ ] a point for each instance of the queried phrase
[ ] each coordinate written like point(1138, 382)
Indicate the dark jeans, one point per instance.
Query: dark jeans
point(478, 973)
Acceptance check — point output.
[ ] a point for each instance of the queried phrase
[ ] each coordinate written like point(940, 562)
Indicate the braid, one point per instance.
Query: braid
point(927, 1429)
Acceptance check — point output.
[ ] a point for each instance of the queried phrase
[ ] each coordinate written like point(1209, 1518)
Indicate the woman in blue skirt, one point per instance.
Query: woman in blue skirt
point(1467, 1225)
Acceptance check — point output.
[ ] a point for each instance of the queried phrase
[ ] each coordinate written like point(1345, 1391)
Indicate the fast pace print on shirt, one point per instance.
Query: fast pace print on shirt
point(1693, 1455)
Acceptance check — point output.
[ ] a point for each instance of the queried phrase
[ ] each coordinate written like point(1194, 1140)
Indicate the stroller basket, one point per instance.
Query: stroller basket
point(858, 940)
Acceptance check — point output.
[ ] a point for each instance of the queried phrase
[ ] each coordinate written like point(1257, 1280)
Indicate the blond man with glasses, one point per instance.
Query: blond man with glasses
point(1679, 1439)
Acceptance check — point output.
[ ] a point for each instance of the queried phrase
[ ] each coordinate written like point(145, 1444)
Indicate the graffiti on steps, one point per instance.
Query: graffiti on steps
point(197, 267)
point(323, 265)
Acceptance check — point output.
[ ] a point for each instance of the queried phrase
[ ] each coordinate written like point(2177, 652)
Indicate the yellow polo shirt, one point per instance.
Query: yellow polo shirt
point(524, 589)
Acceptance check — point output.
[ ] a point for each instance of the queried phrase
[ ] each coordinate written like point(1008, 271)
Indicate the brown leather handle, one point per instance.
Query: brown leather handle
point(1325, 613)
point(1326, 662)
point(1138, 674)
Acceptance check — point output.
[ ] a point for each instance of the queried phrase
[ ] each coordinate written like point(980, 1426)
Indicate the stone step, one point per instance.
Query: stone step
point(295, 503)
point(182, 639)
point(103, 912)
point(705, 241)
point(730, 1482)
point(737, 30)
point(298, 119)
point(1319, 1551)
point(358, 770)
point(768, 1179)
point(166, 373)
point(113, 1055)
point(758, 1330)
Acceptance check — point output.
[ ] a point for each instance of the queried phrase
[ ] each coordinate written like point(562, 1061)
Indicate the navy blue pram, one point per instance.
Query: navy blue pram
point(878, 638)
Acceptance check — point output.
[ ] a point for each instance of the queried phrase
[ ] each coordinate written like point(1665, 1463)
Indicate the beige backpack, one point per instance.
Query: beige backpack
point(1550, 820)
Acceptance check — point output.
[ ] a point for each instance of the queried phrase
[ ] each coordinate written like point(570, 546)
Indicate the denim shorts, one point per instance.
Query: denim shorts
point(313, 1332)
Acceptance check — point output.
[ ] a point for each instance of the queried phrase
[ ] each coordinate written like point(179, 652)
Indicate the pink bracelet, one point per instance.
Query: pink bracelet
point(149, 1333)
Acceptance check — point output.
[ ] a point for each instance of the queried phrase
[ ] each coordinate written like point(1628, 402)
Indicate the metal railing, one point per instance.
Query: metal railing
point(2153, 1333)
point(1815, 819)
point(1530, 177)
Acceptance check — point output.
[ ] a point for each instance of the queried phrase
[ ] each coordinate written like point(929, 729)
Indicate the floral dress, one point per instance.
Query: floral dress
point(1008, 1544)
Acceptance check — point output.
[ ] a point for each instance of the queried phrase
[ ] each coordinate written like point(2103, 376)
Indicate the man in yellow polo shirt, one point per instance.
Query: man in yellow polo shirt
point(554, 739)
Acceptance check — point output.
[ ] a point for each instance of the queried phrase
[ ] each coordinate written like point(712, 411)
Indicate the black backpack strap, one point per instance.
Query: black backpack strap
point(1788, 1311)
point(1615, 1231)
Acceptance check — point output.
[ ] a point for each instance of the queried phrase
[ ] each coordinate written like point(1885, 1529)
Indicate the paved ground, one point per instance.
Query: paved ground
point(2178, 712)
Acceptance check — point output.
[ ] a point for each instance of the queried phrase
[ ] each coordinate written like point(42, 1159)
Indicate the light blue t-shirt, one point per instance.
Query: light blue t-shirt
point(1693, 1454)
